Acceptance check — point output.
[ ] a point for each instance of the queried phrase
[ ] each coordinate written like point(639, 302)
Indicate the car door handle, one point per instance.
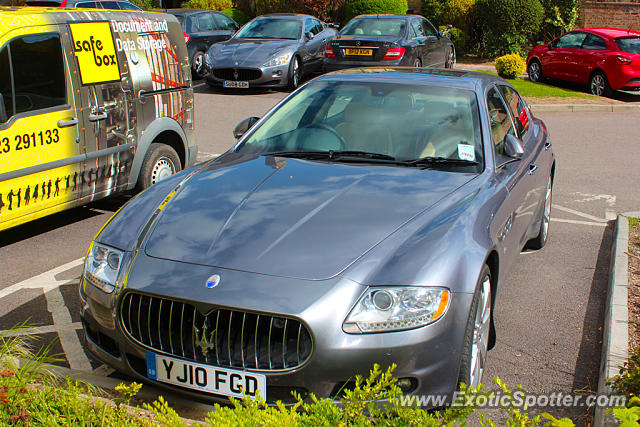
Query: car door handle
point(532, 168)
point(547, 145)
point(97, 116)
point(67, 123)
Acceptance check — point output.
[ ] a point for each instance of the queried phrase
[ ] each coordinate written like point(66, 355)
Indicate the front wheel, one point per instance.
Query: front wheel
point(535, 71)
point(161, 162)
point(477, 333)
point(451, 58)
point(599, 84)
point(295, 74)
point(197, 64)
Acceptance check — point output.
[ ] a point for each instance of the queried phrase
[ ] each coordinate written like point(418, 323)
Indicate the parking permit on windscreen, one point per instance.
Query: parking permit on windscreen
point(466, 152)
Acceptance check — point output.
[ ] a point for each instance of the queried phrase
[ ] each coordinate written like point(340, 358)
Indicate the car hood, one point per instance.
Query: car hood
point(289, 217)
point(247, 52)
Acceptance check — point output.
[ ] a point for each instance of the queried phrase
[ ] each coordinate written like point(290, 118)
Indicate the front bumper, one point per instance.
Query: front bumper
point(429, 356)
point(268, 76)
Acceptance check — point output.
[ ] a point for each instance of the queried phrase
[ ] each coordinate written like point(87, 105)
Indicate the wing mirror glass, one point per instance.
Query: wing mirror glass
point(308, 35)
point(513, 147)
point(242, 127)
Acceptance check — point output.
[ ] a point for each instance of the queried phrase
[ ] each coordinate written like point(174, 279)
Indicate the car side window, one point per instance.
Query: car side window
point(6, 92)
point(125, 5)
point(88, 4)
point(308, 26)
point(519, 110)
point(571, 40)
point(225, 23)
point(429, 30)
point(594, 42)
point(206, 22)
point(417, 28)
point(501, 124)
point(318, 27)
point(110, 5)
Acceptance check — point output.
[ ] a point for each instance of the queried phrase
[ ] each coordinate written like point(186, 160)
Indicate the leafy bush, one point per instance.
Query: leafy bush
point(208, 4)
point(505, 26)
point(560, 16)
point(363, 7)
point(627, 381)
point(458, 37)
point(510, 66)
point(237, 15)
point(458, 13)
point(433, 11)
point(145, 4)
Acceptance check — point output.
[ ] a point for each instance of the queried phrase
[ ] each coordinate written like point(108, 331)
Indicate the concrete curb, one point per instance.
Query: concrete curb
point(585, 108)
point(615, 336)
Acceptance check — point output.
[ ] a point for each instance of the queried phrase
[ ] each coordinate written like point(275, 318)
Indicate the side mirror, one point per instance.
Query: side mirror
point(550, 46)
point(308, 35)
point(242, 127)
point(513, 147)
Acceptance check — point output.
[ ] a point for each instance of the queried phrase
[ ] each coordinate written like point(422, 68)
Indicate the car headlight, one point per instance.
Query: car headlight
point(396, 308)
point(278, 60)
point(102, 265)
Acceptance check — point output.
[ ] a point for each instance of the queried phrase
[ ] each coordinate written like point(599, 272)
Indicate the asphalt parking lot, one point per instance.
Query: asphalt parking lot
point(549, 311)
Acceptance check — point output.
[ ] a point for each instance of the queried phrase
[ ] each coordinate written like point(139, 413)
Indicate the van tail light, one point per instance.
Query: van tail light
point(187, 37)
point(328, 52)
point(393, 53)
point(623, 60)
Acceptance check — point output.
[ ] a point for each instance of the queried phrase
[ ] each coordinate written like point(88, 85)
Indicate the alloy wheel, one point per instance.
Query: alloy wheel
point(163, 168)
point(598, 85)
point(546, 214)
point(451, 59)
point(296, 73)
point(534, 71)
point(197, 62)
point(480, 343)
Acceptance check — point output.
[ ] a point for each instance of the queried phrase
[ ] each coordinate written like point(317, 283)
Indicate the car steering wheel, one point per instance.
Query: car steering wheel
point(329, 128)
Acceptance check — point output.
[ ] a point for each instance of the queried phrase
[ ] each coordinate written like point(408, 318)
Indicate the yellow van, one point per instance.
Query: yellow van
point(92, 102)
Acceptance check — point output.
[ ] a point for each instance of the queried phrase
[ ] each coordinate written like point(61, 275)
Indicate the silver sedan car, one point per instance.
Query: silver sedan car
point(269, 51)
point(370, 217)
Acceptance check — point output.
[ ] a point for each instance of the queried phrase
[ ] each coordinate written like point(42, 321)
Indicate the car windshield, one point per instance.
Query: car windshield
point(629, 44)
point(399, 122)
point(391, 27)
point(271, 28)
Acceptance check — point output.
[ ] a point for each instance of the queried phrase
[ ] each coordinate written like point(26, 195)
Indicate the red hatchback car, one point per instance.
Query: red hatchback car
point(607, 59)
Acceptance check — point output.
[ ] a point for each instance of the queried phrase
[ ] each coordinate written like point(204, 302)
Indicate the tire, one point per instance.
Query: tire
point(196, 64)
point(161, 161)
point(599, 85)
point(535, 71)
point(541, 239)
point(417, 63)
point(477, 333)
point(451, 58)
point(295, 74)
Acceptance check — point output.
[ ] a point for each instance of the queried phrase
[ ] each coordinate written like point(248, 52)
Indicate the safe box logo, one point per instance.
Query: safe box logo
point(93, 46)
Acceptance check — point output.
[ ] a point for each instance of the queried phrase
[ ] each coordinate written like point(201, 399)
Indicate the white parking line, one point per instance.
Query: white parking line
point(573, 221)
point(581, 214)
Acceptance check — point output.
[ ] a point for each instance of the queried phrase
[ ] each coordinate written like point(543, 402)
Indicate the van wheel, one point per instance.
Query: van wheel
point(161, 162)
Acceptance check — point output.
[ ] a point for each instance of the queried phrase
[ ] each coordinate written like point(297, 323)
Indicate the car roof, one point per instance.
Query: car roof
point(408, 75)
point(284, 15)
point(383, 16)
point(183, 11)
point(610, 32)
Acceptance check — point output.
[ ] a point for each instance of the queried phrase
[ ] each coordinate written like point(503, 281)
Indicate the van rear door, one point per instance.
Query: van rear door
point(40, 154)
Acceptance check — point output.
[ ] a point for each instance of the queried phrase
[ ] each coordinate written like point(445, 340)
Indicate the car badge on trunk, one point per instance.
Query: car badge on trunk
point(203, 341)
point(213, 281)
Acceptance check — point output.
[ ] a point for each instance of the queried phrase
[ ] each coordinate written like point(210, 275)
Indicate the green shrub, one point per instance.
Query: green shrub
point(208, 4)
point(560, 16)
point(510, 66)
point(145, 4)
point(433, 11)
point(363, 7)
point(458, 13)
point(237, 15)
point(627, 381)
point(505, 26)
point(458, 37)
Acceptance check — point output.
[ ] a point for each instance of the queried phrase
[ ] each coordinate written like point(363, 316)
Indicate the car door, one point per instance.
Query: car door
point(41, 154)
point(564, 56)
point(418, 42)
point(313, 46)
point(202, 26)
point(513, 174)
point(226, 27)
point(593, 51)
point(436, 45)
point(537, 154)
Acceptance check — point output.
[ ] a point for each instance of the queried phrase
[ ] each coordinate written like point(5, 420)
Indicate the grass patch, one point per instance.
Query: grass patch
point(530, 89)
point(634, 222)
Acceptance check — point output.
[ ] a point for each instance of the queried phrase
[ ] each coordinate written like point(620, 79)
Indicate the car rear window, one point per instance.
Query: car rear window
point(629, 44)
point(387, 27)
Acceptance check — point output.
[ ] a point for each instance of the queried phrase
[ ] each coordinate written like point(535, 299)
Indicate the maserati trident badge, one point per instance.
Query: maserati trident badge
point(213, 281)
point(202, 340)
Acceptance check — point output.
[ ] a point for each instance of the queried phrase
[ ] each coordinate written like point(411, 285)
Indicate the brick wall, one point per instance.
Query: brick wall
point(618, 14)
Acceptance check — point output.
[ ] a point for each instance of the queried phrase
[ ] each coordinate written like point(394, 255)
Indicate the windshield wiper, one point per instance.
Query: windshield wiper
point(432, 161)
point(335, 155)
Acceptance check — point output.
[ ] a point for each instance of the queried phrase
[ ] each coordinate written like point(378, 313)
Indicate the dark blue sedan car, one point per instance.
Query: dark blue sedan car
point(370, 217)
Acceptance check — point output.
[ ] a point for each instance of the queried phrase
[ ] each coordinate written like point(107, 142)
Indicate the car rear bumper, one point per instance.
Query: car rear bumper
point(336, 65)
point(624, 78)
point(428, 357)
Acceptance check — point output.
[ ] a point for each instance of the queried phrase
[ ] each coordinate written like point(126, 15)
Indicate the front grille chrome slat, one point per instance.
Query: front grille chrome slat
point(236, 342)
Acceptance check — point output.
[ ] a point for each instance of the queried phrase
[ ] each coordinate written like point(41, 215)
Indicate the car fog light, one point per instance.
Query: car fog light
point(407, 385)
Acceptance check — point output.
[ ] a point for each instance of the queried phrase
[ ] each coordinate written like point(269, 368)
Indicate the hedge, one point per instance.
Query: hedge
point(365, 7)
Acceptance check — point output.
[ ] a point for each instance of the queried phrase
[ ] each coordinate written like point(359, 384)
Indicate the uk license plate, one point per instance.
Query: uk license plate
point(241, 85)
point(206, 378)
point(359, 52)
